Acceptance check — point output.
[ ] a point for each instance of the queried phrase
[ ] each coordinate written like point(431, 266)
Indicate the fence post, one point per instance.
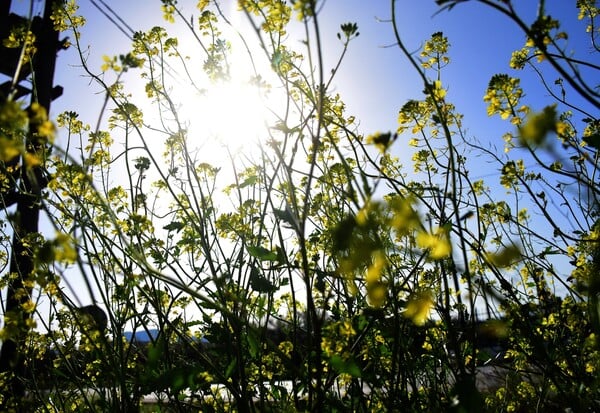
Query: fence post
point(29, 183)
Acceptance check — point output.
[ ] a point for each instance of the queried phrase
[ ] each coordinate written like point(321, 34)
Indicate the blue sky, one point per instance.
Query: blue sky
point(481, 45)
point(375, 80)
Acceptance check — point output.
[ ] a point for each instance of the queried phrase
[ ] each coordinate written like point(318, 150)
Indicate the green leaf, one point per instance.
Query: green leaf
point(348, 366)
point(156, 352)
point(287, 216)
point(593, 140)
point(342, 234)
point(251, 180)
point(253, 344)
point(178, 380)
point(282, 127)
point(230, 368)
point(538, 126)
point(262, 253)
point(259, 282)
point(505, 257)
point(466, 396)
point(174, 226)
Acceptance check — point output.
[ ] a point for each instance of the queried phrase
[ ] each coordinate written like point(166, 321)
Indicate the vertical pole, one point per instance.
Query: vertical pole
point(4, 7)
point(26, 221)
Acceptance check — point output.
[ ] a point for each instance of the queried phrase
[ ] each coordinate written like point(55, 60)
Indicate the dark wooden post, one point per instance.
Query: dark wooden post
point(4, 7)
point(28, 197)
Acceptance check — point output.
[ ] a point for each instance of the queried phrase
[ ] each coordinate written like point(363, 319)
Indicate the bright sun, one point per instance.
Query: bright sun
point(233, 113)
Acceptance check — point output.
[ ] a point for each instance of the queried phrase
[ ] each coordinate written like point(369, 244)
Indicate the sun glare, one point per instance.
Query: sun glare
point(231, 113)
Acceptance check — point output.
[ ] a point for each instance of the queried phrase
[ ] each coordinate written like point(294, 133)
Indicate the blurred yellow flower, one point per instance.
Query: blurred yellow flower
point(438, 244)
point(376, 289)
point(419, 307)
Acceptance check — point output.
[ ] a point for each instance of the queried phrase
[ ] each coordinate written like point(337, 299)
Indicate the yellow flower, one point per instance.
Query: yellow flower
point(30, 323)
point(404, 218)
point(376, 289)
point(505, 257)
point(168, 12)
point(9, 149)
point(438, 244)
point(438, 91)
point(31, 160)
point(347, 330)
point(202, 4)
point(589, 367)
point(47, 130)
point(28, 306)
point(539, 125)
point(382, 140)
point(418, 307)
